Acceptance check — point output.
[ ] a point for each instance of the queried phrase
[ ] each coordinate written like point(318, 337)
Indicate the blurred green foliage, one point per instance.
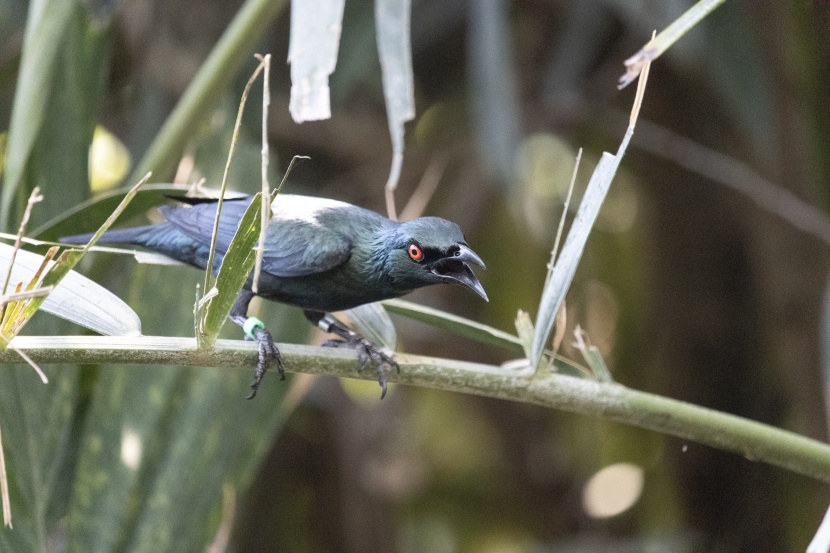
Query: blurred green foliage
point(688, 289)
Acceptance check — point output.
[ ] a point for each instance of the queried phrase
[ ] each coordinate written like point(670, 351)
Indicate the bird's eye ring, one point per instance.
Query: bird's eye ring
point(415, 252)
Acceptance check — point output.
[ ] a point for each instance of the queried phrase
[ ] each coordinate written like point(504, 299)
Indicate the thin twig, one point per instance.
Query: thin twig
point(99, 249)
point(668, 36)
point(559, 331)
point(641, 91)
point(115, 214)
point(389, 193)
point(209, 295)
point(34, 365)
point(34, 198)
point(562, 314)
point(635, 110)
point(26, 294)
point(294, 160)
point(26, 240)
point(423, 193)
point(266, 187)
point(197, 190)
point(267, 198)
point(223, 532)
point(565, 207)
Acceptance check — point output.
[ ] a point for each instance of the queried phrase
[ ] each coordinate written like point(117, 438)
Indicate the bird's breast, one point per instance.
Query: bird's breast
point(336, 290)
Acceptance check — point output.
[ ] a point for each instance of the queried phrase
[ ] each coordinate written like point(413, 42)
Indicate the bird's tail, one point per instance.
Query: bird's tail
point(135, 236)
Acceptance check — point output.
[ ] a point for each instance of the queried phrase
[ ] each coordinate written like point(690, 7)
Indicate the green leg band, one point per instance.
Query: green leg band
point(251, 324)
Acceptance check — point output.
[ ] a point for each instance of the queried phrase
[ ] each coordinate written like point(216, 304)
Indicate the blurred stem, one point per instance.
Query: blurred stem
point(215, 74)
point(753, 440)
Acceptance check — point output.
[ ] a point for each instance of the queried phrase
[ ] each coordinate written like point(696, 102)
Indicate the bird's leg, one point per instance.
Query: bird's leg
point(366, 350)
point(255, 330)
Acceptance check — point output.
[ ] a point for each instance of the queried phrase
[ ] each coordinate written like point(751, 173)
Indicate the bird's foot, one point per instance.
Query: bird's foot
point(366, 352)
point(267, 351)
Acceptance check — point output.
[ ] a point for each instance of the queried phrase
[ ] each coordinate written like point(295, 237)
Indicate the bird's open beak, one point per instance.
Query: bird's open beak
point(455, 269)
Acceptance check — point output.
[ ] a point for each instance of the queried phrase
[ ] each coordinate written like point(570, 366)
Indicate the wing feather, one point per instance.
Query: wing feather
point(295, 244)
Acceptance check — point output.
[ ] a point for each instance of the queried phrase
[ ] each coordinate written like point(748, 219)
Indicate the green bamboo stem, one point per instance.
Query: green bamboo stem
point(753, 440)
point(220, 67)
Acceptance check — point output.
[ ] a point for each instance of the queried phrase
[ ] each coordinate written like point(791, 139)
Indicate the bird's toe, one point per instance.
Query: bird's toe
point(254, 387)
point(281, 366)
point(387, 360)
point(268, 351)
point(382, 381)
point(367, 353)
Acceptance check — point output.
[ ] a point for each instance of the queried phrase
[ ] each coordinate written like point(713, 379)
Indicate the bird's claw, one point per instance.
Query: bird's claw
point(366, 352)
point(267, 351)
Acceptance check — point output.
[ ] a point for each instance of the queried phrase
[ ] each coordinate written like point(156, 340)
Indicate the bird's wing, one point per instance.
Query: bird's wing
point(298, 247)
point(197, 221)
point(295, 245)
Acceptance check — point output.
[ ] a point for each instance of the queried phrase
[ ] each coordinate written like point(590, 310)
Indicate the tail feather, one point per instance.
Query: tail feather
point(163, 238)
point(124, 236)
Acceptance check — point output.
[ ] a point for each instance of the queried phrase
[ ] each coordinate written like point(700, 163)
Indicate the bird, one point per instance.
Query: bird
point(320, 255)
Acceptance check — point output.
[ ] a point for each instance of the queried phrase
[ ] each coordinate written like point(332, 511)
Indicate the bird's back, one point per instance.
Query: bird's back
point(309, 243)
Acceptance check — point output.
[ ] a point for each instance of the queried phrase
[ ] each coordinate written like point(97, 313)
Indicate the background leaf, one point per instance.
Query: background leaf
point(235, 269)
point(563, 271)
point(392, 23)
point(63, 66)
point(75, 298)
point(372, 321)
point(497, 120)
point(87, 215)
point(217, 71)
point(46, 25)
point(312, 53)
point(193, 429)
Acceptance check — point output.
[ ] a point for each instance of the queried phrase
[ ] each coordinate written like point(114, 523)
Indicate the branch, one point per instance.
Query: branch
point(753, 440)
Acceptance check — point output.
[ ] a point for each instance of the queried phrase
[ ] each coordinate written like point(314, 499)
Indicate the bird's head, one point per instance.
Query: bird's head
point(431, 250)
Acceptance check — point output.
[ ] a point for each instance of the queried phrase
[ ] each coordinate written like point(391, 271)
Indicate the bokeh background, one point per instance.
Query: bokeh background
point(703, 280)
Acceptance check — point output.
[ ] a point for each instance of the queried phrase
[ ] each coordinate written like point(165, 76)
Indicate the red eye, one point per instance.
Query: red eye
point(415, 252)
